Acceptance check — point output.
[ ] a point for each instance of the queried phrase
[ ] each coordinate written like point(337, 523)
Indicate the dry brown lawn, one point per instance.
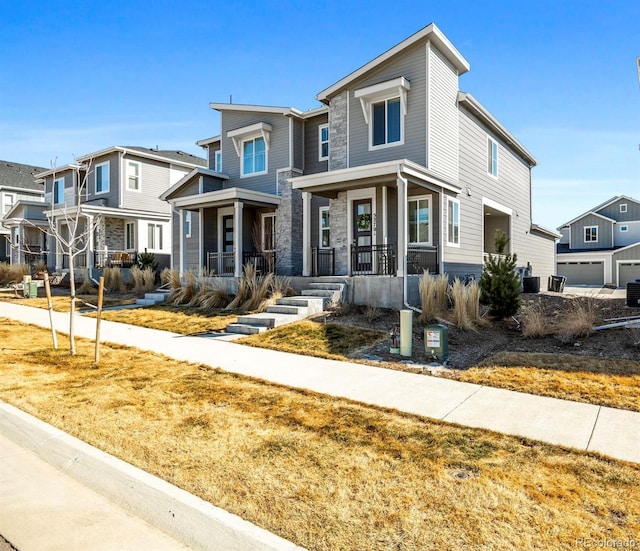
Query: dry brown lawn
point(606, 382)
point(327, 474)
point(62, 303)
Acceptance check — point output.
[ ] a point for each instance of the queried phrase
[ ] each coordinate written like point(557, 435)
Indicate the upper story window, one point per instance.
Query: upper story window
point(419, 216)
point(323, 142)
point(8, 200)
point(453, 222)
point(591, 234)
point(623, 207)
point(252, 146)
point(58, 191)
point(254, 157)
point(133, 176)
point(217, 161)
point(492, 158)
point(187, 223)
point(325, 228)
point(384, 106)
point(102, 177)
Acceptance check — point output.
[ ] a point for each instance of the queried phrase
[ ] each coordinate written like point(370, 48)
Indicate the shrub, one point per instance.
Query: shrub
point(13, 273)
point(499, 283)
point(433, 296)
point(147, 260)
point(459, 293)
point(253, 291)
point(113, 280)
point(148, 279)
point(138, 281)
point(187, 290)
point(88, 287)
point(534, 322)
point(578, 320)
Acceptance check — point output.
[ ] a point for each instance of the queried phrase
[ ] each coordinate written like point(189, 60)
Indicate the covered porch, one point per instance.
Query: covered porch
point(221, 231)
point(384, 219)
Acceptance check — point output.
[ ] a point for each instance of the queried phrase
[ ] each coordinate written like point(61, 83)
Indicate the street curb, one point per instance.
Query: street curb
point(185, 517)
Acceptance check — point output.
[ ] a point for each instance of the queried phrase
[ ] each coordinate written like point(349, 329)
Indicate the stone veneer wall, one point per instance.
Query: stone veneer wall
point(338, 132)
point(289, 226)
point(109, 232)
point(338, 235)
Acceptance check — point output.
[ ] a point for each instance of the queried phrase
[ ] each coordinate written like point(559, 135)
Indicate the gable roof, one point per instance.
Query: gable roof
point(430, 32)
point(292, 111)
point(167, 155)
point(188, 178)
point(584, 214)
point(601, 206)
point(20, 176)
point(614, 199)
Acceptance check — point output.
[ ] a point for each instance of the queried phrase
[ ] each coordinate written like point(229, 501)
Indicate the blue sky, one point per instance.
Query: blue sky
point(76, 77)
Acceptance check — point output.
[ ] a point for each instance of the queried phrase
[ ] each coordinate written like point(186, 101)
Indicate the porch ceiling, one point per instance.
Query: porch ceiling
point(329, 183)
point(226, 197)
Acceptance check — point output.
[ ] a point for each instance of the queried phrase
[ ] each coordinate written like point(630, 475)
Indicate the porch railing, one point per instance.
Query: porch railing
point(373, 260)
point(264, 262)
point(115, 259)
point(323, 262)
point(222, 264)
point(422, 258)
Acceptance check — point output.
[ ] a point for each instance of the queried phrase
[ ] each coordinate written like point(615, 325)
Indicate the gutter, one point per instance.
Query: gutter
point(405, 302)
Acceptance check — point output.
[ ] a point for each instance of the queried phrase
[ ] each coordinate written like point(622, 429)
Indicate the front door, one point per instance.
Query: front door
point(227, 245)
point(362, 236)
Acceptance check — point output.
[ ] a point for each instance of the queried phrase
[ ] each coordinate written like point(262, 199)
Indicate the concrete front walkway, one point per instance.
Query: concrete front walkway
point(609, 431)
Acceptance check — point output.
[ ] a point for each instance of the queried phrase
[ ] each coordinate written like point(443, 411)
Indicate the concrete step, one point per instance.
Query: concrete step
point(325, 293)
point(313, 304)
point(245, 329)
point(145, 302)
point(327, 286)
point(283, 309)
point(158, 296)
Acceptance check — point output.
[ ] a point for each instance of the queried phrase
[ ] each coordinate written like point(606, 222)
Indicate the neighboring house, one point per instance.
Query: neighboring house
point(397, 172)
point(18, 185)
point(602, 245)
point(119, 201)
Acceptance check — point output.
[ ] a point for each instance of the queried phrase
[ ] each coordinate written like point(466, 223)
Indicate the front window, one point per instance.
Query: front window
point(187, 223)
point(325, 228)
point(254, 157)
point(217, 161)
point(453, 222)
point(591, 234)
point(102, 178)
point(155, 236)
point(492, 166)
point(323, 139)
point(58, 191)
point(419, 220)
point(386, 127)
point(130, 236)
point(268, 232)
point(8, 200)
point(133, 176)
point(624, 228)
point(623, 207)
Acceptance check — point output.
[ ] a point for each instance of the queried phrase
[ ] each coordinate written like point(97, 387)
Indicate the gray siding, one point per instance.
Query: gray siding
point(175, 239)
point(632, 253)
point(209, 232)
point(298, 144)
point(511, 190)
point(316, 203)
point(442, 125)
point(278, 155)
point(411, 64)
point(191, 244)
point(211, 184)
point(110, 198)
point(192, 188)
point(565, 235)
point(541, 255)
point(613, 211)
point(311, 145)
point(211, 155)
point(69, 191)
point(154, 180)
point(605, 240)
point(632, 235)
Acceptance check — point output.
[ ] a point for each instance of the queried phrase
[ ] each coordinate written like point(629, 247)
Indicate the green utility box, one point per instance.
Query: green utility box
point(436, 342)
point(33, 290)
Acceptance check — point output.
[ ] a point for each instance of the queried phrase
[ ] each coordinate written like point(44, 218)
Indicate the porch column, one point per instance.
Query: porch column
point(201, 236)
point(385, 224)
point(89, 254)
point(306, 233)
point(402, 224)
point(237, 238)
point(58, 248)
point(181, 241)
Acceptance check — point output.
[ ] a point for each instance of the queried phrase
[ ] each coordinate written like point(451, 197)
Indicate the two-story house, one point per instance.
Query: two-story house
point(19, 243)
point(398, 171)
point(115, 194)
point(602, 246)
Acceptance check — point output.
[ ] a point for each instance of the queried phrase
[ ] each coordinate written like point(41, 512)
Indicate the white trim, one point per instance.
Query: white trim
point(584, 234)
point(427, 94)
point(496, 206)
point(429, 198)
point(624, 228)
point(53, 191)
point(625, 208)
point(448, 241)
point(5, 210)
point(128, 162)
point(187, 223)
point(131, 224)
point(95, 177)
point(263, 217)
point(245, 133)
point(490, 162)
point(354, 195)
point(217, 164)
point(201, 237)
point(320, 142)
point(321, 228)
point(256, 108)
point(376, 93)
point(222, 212)
point(290, 141)
point(620, 263)
point(253, 139)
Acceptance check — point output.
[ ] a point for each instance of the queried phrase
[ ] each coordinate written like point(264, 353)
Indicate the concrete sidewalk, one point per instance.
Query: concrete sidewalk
point(609, 431)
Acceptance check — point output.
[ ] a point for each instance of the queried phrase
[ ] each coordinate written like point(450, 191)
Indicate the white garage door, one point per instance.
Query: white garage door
point(629, 271)
point(582, 273)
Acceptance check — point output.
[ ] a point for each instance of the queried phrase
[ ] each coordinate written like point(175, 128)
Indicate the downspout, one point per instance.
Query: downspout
point(405, 301)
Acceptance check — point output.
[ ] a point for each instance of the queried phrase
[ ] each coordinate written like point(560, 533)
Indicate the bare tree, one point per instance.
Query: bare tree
point(71, 230)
